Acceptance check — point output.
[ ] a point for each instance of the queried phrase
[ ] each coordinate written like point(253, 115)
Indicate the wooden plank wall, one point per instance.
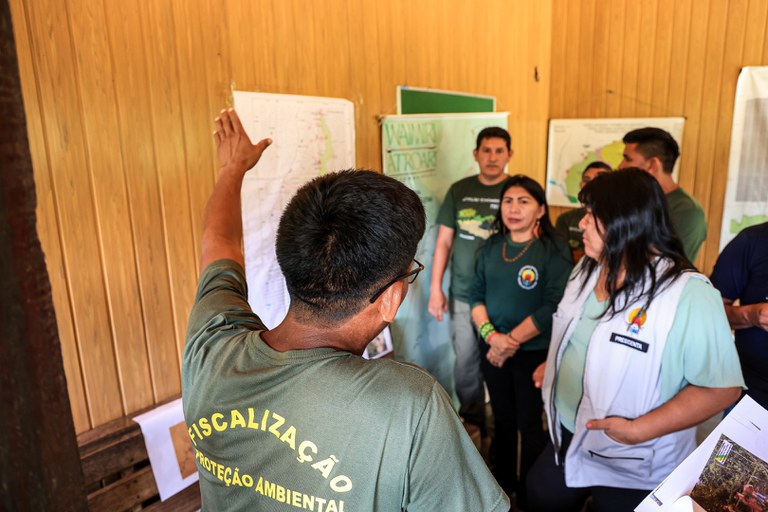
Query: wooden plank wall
point(120, 96)
point(630, 58)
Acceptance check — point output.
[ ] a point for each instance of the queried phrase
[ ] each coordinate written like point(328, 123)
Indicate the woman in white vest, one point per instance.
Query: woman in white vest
point(641, 352)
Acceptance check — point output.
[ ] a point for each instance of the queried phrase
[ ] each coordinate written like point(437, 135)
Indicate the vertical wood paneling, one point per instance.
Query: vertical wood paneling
point(679, 51)
point(181, 178)
point(582, 83)
point(733, 55)
point(161, 144)
point(61, 105)
point(47, 218)
point(120, 98)
point(756, 19)
point(676, 59)
point(94, 72)
point(711, 114)
point(615, 60)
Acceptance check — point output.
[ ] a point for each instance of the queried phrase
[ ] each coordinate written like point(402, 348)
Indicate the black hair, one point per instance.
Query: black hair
point(655, 142)
point(341, 237)
point(637, 236)
point(597, 164)
point(546, 231)
point(494, 132)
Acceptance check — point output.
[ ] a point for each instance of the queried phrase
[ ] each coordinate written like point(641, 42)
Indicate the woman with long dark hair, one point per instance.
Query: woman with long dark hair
point(520, 276)
point(641, 353)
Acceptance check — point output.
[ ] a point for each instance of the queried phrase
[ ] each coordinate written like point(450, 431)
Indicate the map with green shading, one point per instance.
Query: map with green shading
point(575, 143)
point(611, 154)
point(746, 221)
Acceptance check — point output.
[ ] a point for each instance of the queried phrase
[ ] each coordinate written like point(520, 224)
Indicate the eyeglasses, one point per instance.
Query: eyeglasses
point(410, 275)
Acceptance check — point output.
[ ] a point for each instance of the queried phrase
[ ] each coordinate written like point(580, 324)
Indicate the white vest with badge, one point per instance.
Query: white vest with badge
point(622, 377)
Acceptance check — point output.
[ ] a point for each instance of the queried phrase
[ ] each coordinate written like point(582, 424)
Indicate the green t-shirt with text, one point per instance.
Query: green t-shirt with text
point(469, 209)
point(316, 429)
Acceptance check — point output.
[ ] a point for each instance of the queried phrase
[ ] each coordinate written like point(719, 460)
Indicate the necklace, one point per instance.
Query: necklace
point(519, 255)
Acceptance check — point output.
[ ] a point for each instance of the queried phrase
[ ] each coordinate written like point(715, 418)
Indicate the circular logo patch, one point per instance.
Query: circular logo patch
point(635, 320)
point(528, 277)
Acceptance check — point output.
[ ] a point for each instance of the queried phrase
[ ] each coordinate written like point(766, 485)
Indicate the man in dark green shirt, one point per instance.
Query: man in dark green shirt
point(655, 151)
point(293, 417)
point(464, 221)
point(567, 226)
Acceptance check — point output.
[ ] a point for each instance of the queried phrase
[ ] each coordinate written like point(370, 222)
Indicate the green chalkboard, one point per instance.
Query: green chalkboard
point(413, 100)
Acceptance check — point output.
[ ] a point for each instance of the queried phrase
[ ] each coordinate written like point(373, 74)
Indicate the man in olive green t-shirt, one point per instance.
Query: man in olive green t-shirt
point(655, 151)
point(293, 418)
point(464, 221)
point(567, 226)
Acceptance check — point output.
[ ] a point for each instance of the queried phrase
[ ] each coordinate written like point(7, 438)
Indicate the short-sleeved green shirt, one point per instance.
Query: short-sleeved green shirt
point(688, 219)
point(699, 350)
point(469, 209)
point(532, 285)
point(316, 429)
point(567, 228)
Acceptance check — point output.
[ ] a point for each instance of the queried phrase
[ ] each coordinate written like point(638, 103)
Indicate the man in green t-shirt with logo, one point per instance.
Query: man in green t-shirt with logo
point(464, 221)
point(293, 418)
point(655, 151)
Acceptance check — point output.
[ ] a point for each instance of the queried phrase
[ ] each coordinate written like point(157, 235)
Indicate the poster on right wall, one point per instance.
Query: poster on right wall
point(746, 192)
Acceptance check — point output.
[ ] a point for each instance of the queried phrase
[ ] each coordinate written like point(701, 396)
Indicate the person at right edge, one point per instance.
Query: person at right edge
point(655, 151)
point(641, 353)
point(741, 273)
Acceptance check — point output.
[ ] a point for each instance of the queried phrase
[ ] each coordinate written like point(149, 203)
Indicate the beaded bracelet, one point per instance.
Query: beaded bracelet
point(486, 328)
point(490, 336)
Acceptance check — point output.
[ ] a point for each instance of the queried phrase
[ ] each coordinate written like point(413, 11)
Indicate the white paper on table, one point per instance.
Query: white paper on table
point(746, 424)
point(169, 448)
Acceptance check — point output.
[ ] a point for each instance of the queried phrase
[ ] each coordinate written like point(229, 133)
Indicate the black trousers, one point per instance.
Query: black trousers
point(547, 491)
point(517, 406)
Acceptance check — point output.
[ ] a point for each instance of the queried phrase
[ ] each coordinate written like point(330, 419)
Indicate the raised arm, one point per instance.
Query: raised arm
point(222, 222)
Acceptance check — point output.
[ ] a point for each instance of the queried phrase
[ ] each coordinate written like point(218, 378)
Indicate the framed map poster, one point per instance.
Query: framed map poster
point(575, 143)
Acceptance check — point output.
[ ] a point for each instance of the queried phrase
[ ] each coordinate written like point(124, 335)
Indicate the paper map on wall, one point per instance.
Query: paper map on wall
point(311, 136)
point(574, 143)
point(746, 193)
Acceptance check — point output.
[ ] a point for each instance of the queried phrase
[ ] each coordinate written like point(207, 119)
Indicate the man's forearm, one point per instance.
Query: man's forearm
point(222, 225)
point(443, 246)
point(222, 221)
point(439, 264)
point(744, 317)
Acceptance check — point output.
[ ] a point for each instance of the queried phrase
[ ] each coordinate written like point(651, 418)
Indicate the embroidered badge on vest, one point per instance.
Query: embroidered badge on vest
point(528, 277)
point(636, 320)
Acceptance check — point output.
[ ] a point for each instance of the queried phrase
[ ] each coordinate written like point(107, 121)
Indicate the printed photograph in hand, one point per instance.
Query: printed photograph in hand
point(734, 480)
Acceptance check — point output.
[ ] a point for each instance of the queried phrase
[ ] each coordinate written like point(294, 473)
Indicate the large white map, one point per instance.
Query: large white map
point(575, 143)
point(746, 194)
point(311, 136)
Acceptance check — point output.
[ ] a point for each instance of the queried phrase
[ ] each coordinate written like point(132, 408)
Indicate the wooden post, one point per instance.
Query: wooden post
point(39, 462)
